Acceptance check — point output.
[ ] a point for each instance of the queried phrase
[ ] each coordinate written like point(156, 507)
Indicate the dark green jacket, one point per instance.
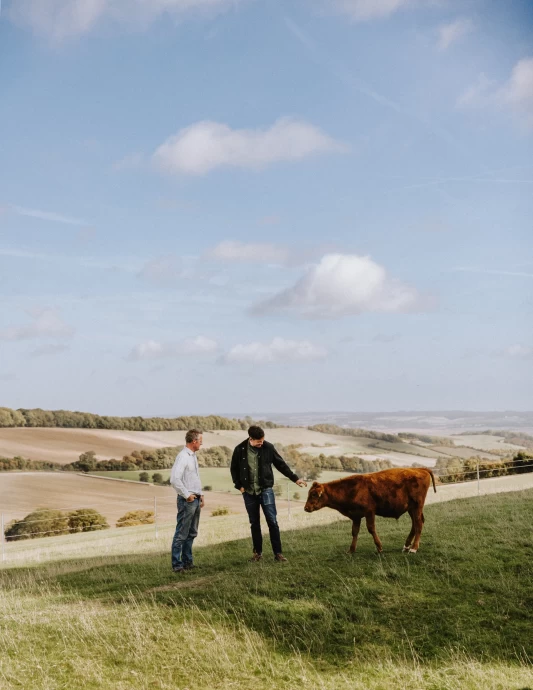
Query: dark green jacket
point(267, 456)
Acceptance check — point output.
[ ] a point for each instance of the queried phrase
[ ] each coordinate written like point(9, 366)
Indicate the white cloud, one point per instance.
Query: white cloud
point(279, 350)
point(516, 93)
point(249, 252)
point(453, 31)
point(342, 285)
point(518, 352)
point(365, 10)
point(205, 146)
point(60, 19)
point(199, 345)
point(46, 324)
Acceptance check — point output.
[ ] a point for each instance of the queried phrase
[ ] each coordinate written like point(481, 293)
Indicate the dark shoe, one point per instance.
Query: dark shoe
point(189, 566)
point(280, 558)
point(178, 570)
point(256, 557)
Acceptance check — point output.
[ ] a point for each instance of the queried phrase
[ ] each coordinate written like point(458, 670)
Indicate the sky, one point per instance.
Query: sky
point(253, 205)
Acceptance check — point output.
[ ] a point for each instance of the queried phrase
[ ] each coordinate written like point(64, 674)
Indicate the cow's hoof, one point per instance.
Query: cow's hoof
point(405, 548)
point(413, 550)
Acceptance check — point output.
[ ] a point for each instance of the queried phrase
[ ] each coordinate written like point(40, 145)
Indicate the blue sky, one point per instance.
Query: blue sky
point(248, 205)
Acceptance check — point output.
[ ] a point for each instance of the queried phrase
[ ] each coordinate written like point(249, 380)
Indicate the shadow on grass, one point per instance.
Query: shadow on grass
point(468, 589)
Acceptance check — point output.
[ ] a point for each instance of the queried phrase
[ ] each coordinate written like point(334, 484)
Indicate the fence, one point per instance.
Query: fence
point(154, 503)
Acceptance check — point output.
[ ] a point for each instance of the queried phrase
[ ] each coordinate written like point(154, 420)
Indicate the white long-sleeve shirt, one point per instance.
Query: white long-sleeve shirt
point(184, 476)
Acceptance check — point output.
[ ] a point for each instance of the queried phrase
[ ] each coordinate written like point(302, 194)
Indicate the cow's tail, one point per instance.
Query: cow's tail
point(432, 479)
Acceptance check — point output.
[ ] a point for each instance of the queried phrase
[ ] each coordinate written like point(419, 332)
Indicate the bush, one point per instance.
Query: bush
point(136, 517)
point(207, 487)
point(296, 496)
point(40, 523)
point(144, 477)
point(223, 510)
point(157, 478)
point(86, 520)
point(277, 490)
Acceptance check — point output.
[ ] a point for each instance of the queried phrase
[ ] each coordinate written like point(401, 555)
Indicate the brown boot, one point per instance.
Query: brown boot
point(256, 557)
point(280, 558)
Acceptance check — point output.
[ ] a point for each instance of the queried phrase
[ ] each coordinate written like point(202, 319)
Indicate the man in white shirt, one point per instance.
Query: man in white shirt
point(185, 479)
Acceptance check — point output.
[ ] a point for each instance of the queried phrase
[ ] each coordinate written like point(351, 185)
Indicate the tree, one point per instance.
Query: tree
point(144, 477)
point(40, 523)
point(87, 462)
point(136, 517)
point(86, 520)
point(157, 478)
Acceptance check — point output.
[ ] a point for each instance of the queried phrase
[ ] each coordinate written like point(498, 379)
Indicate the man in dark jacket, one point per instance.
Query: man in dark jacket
point(251, 471)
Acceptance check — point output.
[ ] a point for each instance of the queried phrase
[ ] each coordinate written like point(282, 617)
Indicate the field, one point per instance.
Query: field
point(20, 493)
point(66, 445)
point(456, 616)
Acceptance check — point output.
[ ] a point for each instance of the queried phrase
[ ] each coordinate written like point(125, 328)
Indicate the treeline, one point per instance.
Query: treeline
point(67, 419)
point(342, 431)
point(310, 467)
point(425, 438)
point(517, 438)
point(18, 463)
point(452, 470)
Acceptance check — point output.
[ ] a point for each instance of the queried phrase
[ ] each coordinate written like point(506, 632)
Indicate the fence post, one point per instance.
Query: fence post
point(2, 538)
point(478, 487)
point(155, 516)
point(289, 498)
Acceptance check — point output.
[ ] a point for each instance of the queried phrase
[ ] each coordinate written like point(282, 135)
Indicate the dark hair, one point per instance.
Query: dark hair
point(256, 433)
point(192, 435)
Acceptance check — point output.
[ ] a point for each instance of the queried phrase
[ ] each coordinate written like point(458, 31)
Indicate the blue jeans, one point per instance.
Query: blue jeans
point(267, 501)
point(186, 532)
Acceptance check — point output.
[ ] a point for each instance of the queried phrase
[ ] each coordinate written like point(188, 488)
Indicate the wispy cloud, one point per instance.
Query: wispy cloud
point(453, 32)
point(49, 350)
point(346, 74)
point(163, 270)
point(249, 252)
point(199, 345)
point(132, 161)
point(343, 285)
point(516, 94)
point(492, 271)
point(279, 350)
point(205, 146)
point(61, 19)
point(46, 323)
point(46, 215)
point(366, 10)
point(517, 351)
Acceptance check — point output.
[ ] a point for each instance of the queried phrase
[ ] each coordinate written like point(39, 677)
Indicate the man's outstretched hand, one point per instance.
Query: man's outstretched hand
point(301, 482)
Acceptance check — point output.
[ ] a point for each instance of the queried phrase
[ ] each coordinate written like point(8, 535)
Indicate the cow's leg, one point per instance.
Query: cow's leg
point(418, 521)
point(371, 527)
point(356, 524)
point(410, 537)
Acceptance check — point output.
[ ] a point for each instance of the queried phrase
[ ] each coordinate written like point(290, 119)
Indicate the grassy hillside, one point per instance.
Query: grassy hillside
point(456, 616)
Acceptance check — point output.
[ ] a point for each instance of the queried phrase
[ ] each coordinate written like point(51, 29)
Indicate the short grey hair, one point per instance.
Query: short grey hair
point(192, 435)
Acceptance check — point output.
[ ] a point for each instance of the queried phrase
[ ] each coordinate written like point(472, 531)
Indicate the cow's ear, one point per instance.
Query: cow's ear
point(314, 484)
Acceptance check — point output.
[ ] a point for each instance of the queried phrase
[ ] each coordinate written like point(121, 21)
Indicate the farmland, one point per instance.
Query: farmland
point(66, 445)
point(455, 616)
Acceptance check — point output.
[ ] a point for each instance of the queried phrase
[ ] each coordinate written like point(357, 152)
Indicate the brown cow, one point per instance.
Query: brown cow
point(389, 493)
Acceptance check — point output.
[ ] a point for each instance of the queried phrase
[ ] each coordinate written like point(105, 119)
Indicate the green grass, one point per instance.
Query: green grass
point(457, 615)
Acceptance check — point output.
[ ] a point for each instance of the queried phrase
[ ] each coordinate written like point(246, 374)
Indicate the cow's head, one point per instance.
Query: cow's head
point(316, 498)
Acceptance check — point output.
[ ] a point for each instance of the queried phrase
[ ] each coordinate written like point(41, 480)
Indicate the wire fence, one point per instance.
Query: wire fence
point(480, 473)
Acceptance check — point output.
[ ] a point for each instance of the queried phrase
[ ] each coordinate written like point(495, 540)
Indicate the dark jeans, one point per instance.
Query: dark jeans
point(267, 502)
point(186, 531)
